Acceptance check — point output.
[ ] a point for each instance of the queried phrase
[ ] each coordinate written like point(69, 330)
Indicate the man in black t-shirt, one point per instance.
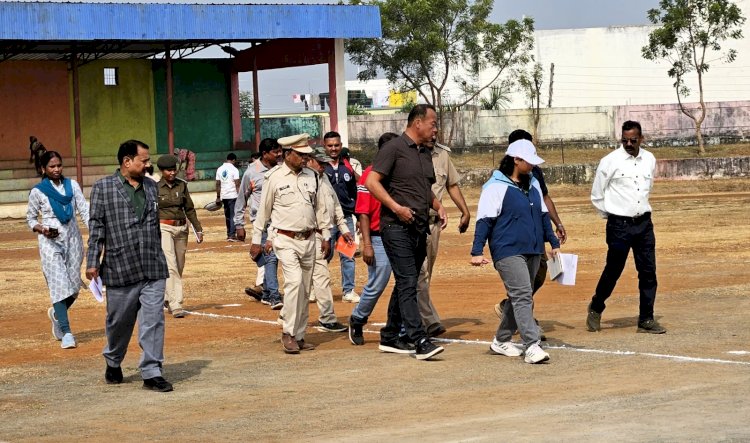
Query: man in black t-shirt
point(401, 179)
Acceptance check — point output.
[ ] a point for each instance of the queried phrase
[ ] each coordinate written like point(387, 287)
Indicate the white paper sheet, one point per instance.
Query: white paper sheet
point(570, 267)
point(97, 288)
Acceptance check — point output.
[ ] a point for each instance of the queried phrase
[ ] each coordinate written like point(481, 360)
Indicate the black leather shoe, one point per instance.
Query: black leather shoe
point(157, 384)
point(435, 330)
point(113, 376)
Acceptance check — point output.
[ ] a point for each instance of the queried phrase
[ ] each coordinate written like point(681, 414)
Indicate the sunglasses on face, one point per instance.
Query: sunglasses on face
point(632, 141)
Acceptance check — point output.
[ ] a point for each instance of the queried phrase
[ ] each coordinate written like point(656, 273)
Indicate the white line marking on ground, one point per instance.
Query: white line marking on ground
point(232, 245)
point(234, 317)
point(233, 305)
point(681, 358)
point(739, 352)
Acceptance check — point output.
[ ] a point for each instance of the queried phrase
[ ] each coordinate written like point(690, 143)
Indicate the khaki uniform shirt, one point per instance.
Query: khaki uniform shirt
point(175, 203)
point(445, 173)
point(292, 202)
point(334, 212)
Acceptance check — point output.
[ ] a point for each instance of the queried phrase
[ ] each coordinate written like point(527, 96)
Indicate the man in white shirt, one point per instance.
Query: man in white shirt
point(227, 190)
point(620, 193)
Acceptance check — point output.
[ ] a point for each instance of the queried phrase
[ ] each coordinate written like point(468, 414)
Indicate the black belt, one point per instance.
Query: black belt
point(374, 233)
point(633, 220)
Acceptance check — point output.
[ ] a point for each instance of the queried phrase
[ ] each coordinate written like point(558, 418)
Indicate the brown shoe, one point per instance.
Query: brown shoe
point(305, 346)
point(290, 344)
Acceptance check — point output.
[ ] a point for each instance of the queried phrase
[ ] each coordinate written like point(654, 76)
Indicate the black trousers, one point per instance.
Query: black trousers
point(623, 234)
point(406, 247)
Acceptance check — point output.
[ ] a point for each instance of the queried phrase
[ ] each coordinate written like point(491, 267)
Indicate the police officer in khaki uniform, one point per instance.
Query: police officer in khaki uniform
point(327, 322)
point(296, 209)
point(446, 179)
point(175, 209)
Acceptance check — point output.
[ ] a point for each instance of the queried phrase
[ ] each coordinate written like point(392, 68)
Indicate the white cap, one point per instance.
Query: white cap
point(526, 150)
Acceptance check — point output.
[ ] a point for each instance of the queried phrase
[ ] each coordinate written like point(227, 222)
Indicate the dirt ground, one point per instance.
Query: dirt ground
point(233, 382)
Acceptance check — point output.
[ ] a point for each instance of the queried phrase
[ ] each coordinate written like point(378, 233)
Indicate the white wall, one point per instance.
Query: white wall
point(604, 67)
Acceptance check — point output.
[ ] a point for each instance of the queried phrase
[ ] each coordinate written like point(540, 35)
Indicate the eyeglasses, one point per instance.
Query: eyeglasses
point(631, 140)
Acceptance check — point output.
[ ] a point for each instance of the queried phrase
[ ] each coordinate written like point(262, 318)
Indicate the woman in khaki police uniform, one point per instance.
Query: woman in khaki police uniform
point(175, 209)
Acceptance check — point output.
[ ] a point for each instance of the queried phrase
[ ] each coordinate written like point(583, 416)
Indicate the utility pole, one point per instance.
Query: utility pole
point(551, 80)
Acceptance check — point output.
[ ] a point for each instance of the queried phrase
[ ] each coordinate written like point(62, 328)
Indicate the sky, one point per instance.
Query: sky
point(277, 86)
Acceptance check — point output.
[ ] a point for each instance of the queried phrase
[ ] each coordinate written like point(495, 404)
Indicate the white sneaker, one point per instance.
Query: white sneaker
point(312, 298)
point(535, 354)
point(68, 341)
point(56, 331)
point(506, 348)
point(350, 297)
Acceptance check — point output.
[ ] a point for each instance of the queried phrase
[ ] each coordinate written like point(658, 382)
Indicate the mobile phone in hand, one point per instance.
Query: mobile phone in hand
point(53, 232)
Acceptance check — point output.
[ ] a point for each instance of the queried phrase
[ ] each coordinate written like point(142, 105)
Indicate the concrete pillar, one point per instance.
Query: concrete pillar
point(337, 91)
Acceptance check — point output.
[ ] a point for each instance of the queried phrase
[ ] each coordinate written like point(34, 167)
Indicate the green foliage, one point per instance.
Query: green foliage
point(355, 110)
point(425, 40)
point(690, 31)
point(407, 106)
point(499, 98)
point(246, 104)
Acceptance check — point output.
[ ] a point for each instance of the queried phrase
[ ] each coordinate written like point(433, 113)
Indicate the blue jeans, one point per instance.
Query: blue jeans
point(377, 279)
point(406, 247)
point(347, 264)
point(229, 216)
point(271, 276)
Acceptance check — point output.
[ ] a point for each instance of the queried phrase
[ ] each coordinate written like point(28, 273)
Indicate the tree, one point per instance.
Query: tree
point(498, 98)
point(425, 41)
point(532, 82)
point(689, 32)
point(246, 104)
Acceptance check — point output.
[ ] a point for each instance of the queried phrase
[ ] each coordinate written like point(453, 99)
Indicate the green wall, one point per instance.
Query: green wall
point(277, 127)
point(113, 114)
point(201, 103)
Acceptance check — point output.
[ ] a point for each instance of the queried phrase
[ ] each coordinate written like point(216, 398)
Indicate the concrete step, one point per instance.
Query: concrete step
point(17, 210)
point(22, 195)
point(217, 157)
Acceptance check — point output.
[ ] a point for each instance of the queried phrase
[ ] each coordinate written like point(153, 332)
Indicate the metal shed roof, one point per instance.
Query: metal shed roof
point(124, 30)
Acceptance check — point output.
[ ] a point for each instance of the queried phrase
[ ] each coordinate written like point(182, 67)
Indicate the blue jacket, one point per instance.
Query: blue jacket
point(512, 222)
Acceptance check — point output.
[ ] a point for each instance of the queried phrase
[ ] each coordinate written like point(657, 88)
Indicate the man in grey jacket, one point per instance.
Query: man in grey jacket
point(124, 224)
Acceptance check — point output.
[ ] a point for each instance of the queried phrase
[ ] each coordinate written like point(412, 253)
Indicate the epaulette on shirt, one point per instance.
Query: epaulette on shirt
point(180, 179)
point(443, 147)
point(271, 171)
point(315, 173)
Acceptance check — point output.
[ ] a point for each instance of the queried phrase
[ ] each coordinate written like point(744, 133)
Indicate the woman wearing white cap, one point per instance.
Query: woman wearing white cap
point(513, 219)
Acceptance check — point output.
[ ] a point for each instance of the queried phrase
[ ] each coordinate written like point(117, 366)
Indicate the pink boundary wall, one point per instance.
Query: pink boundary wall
point(667, 121)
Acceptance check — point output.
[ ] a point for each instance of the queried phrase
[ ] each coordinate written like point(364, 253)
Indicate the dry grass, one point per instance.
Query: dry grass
point(487, 157)
point(567, 155)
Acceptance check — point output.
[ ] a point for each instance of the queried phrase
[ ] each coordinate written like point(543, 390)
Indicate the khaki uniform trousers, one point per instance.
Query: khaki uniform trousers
point(426, 309)
point(174, 243)
point(322, 284)
point(297, 259)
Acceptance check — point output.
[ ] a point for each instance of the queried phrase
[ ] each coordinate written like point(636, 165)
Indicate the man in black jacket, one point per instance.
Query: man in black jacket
point(344, 181)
